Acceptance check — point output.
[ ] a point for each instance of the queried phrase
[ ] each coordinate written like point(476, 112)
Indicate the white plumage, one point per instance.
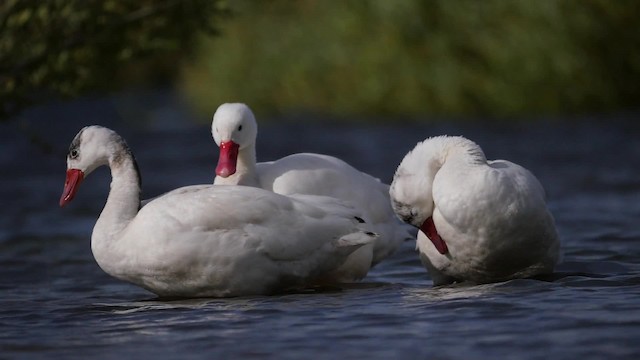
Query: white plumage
point(209, 240)
point(481, 221)
point(234, 129)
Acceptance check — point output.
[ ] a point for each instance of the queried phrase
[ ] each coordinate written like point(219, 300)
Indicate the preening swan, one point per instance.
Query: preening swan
point(234, 129)
point(209, 240)
point(480, 221)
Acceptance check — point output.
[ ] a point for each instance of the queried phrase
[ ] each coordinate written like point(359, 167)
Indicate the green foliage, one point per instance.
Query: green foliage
point(52, 48)
point(412, 57)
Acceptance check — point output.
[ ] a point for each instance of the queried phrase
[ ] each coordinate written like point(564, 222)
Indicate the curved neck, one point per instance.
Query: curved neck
point(122, 206)
point(442, 149)
point(465, 150)
point(247, 160)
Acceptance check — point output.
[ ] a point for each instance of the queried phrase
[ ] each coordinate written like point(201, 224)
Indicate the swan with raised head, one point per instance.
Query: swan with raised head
point(481, 221)
point(234, 129)
point(207, 240)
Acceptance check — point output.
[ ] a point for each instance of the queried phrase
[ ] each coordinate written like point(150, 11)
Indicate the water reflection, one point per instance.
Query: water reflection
point(450, 292)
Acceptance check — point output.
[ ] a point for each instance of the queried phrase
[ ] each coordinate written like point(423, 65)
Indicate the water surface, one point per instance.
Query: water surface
point(57, 303)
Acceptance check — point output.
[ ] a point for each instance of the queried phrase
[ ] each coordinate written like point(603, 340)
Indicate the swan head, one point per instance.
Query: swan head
point(412, 187)
point(412, 201)
point(91, 148)
point(233, 128)
point(411, 194)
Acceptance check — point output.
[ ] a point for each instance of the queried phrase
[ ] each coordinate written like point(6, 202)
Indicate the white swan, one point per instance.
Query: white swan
point(480, 221)
point(209, 240)
point(234, 129)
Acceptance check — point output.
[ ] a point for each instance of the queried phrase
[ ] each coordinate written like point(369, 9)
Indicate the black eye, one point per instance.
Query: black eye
point(240, 128)
point(73, 154)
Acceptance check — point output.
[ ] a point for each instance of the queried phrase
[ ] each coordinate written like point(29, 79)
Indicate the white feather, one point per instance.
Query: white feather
point(210, 240)
point(491, 214)
point(315, 174)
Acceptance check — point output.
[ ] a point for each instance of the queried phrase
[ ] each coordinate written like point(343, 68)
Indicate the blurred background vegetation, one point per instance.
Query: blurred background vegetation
point(413, 57)
point(52, 49)
point(384, 58)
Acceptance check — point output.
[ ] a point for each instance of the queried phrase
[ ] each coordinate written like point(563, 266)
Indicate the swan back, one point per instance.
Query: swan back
point(229, 241)
point(316, 174)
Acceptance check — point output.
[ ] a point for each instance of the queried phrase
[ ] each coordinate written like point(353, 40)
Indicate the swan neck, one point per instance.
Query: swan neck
point(247, 160)
point(121, 207)
point(467, 152)
point(246, 173)
point(124, 193)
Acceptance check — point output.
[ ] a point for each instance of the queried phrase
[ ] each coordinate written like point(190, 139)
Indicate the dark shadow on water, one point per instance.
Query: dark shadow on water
point(561, 275)
point(310, 290)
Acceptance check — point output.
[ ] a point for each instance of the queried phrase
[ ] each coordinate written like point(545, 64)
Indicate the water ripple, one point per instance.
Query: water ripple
point(57, 303)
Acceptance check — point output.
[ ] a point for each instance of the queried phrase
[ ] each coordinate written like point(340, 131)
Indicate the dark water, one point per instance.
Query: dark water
point(56, 302)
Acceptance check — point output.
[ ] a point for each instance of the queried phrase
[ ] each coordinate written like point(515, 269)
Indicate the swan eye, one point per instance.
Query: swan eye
point(73, 154)
point(240, 128)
